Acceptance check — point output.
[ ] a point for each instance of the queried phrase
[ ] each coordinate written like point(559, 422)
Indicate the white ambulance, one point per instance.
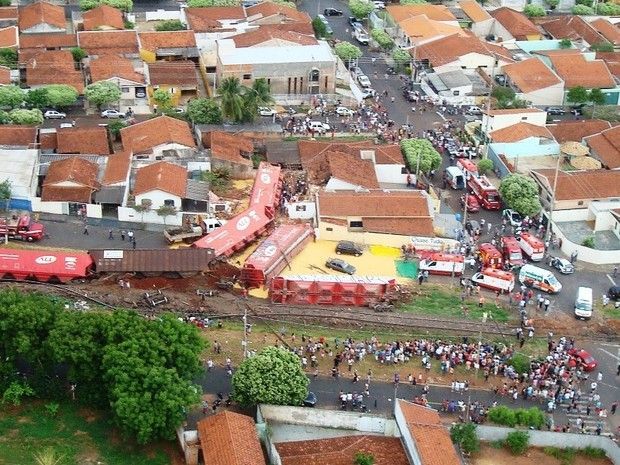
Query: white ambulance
point(533, 247)
point(539, 278)
point(497, 280)
point(443, 263)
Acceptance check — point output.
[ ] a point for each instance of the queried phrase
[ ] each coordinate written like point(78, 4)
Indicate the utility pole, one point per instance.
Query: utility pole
point(555, 185)
point(245, 332)
point(488, 109)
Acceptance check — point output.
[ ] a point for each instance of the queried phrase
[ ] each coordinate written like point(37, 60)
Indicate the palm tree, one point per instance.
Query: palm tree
point(47, 457)
point(231, 94)
point(262, 92)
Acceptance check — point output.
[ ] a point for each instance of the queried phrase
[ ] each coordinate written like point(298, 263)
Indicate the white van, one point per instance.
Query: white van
point(539, 278)
point(583, 303)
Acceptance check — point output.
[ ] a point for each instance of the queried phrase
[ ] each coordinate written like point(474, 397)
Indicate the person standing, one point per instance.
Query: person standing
point(85, 232)
point(110, 235)
point(614, 406)
point(547, 303)
point(122, 235)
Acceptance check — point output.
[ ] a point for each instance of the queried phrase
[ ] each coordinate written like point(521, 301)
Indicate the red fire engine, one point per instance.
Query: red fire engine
point(21, 227)
point(512, 251)
point(485, 192)
point(490, 256)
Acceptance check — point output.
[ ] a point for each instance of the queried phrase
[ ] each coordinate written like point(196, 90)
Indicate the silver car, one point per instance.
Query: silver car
point(562, 265)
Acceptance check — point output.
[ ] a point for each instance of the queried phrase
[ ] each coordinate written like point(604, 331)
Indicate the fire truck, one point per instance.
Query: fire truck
point(443, 263)
point(531, 246)
point(485, 192)
point(490, 257)
point(512, 251)
point(467, 166)
point(22, 228)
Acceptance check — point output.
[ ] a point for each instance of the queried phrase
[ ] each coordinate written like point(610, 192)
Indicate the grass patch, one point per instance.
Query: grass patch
point(565, 456)
point(77, 436)
point(436, 301)
point(593, 452)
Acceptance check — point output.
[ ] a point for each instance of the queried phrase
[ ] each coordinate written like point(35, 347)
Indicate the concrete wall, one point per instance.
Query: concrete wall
point(301, 210)
point(502, 121)
point(237, 170)
point(525, 148)
point(164, 15)
point(552, 439)
point(158, 198)
point(129, 214)
point(391, 174)
point(552, 95)
point(62, 208)
point(482, 28)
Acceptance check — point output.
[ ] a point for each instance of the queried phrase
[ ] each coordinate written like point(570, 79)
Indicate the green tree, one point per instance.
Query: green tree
point(485, 165)
point(401, 57)
point(171, 25)
point(8, 57)
point(565, 44)
point(230, 92)
point(37, 98)
point(363, 458)
point(589, 242)
point(503, 93)
point(577, 94)
point(608, 9)
point(534, 11)
point(11, 97)
point(517, 442)
point(27, 117)
point(360, 8)
point(123, 5)
point(259, 95)
point(520, 193)
point(115, 127)
point(4, 117)
point(596, 96)
point(165, 211)
point(502, 415)
point(582, 10)
point(464, 436)
point(206, 3)
point(78, 54)
point(142, 208)
point(16, 391)
point(273, 376)
point(346, 51)
point(102, 93)
point(552, 3)
point(204, 111)
point(61, 95)
point(602, 47)
point(320, 30)
point(162, 98)
point(383, 39)
point(5, 2)
point(420, 152)
point(5, 193)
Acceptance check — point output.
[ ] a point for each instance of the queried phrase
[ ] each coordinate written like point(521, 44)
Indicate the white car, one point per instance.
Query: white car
point(343, 111)
point(266, 111)
point(368, 93)
point(364, 81)
point(379, 5)
point(513, 217)
point(53, 114)
point(112, 114)
point(318, 126)
point(473, 110)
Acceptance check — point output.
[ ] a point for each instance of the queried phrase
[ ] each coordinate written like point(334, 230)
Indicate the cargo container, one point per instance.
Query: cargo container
point(274, 253)
point(44, 265)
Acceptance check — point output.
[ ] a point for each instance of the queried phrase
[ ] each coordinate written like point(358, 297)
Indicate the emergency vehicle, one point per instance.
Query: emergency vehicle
point(489, 256)
point(511, 251)
point(497, 280)
point(467, 166)
point(443, 263)
point(22, 228)
point(485, 192)
point(455, 177)
point(539, 278)
point(533, 247)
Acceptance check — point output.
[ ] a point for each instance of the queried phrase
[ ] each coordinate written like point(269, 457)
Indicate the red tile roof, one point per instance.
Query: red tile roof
point(347, 168)
point(267, 33)
point(433, 12)
point(607, 30)
point(8, 12)
point(342, 450)
point(153, 41)
point(432, 439)
point(109, 42)
point(229, 147)
point(47, 40)
point(531, 75)
point(284, 13)
point(144, 136)
point(117, 168)
point(229, 438)
point(54, 67)
point(80, 172)
point(573, 28)
point(173, 73)
point(606, 147)
point(9, 37)
point(518, 132)
point(207, 19)
point(516, 23)
point(18, 136)
point(384, 154)
point(575, 70)
point(163, 176)
point(5, 75)
point(575, 131)
point(613, 61)
point(41, 13)
point(111, 66)
point(474, 10)
point(103, 17)
point(449, 49)
point(89, 140)
point(582, 185)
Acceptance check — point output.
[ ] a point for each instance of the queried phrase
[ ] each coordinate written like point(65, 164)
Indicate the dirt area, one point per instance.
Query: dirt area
point(491, 456)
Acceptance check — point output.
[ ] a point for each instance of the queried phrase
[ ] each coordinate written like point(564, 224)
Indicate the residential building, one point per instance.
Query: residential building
point(54, 67)
point(513, 25)
point(8, 16)
point(179, 78)
point(9, 37)
point(535, 82)
point(613, 62)
point(576, 131)
point(274, 13)
point(158, 137)
point(453, 87)
point(103, 18)
point(605, 146)
point(160, 184)
point(480, 21)
point(608, 30)
point(19, 166)
point(122, 72)
point(17, 137)
point(498, 119)
point(519, 132)
point(99, 43)
point(88, 140)
point(169, 45)
point(212, 23)
point(412, 25)
point(574, 28)
point(232, 152)
point(41, 17)
point(32, 44)
point(6, 77)
point(114, 189)
point(72, 179)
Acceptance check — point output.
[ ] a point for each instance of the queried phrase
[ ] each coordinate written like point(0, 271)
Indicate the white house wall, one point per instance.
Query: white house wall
point(390, 173)
point(482, 28)
point(502, 121)
point(553, 95)
point(501, 32)
point(42, 28)
point(157, 199)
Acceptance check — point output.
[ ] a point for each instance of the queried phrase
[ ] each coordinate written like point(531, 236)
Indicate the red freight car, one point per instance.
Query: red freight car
point(44, 265)
point(272, 256)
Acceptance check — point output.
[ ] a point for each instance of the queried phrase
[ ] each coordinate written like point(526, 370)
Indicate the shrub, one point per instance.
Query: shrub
point(517, 442)
point(520, 362)
point(503, 415)
point(464, 435)
point(565, 456)
point(362, 458)
point(170, 25)
point(534, 11)
point(582, 10)
point(593, 452)
point(52, 409)
point(485, 165)
point(589, 242)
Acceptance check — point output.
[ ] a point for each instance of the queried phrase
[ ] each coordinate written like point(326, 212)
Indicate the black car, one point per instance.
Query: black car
point(310, 400)
point(614, 293)
point(348, 248)
point(332, 12)
point(555, 110)
point(353, 21)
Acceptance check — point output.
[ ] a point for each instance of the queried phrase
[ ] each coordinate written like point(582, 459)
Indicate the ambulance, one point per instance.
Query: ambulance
point(533, 247)
point(511, 251)
point(455, 177)
point(467, 166)
point(496, 280)
point(490, 257)
point(533, 276)
point(443, 263)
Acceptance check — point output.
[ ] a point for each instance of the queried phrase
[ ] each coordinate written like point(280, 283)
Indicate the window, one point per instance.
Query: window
point(356, 224)
point(295, 85)
point(300, 208)
point(210, 69)
point(220, 208)
point(580, 202)
point(524, 118)
point(247, 76)
point(456, 92)
point(325, 82)
point(146, 202)
point(169, 203)
point(314, 75)
point(125, 90)
point(404, 170)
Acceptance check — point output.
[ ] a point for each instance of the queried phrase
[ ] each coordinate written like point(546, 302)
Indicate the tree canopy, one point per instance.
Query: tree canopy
point(11, 97)
point(413, 2)
point(61, 95)
point(102, 93)
point(204, 111)
point(346, 51)
point(23, 116)
point(520, 193)
point(383, 39)
point(273, 376)
point(596, 96)
point(123, 5)
point(320, 29)
point(170, 25)
point(583, 10)
point(608, 9)
point(360, 8)
point(534, 11)
point(8, 57)
point(162, 98)
point(422, 150)
point(577, 94)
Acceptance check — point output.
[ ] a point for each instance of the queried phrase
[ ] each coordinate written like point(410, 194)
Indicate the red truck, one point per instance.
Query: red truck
point(22, 228)
point(485, 192)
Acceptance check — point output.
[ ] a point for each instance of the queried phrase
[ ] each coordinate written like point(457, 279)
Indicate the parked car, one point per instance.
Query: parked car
point(266, 111)
point(473, 206)
point(500, 79)
point(318, 126)
point(53, 114)
point(140, 93)
point(112, 114)
point(344, 111)
point(409, 95)
point(614, 293)
point(348, 248)
point(368, 93)
point(473, 110)
point(354, 22)
point(340, 265)
point(332, 12)
point(310, 400)
point(562, 265)
point(582, 357)
point(512, 216)
point(364, 81)
point(555, 110)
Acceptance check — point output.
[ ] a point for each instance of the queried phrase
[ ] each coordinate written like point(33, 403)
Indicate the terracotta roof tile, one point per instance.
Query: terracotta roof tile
point(342, 450)
point(518, 132)
point(8, 12)
point(181, 73)
point(5, 75)
point(153, 41)
point(421, 29)
point(228, 147)
point(267, 33)
point(573, 28)
point(384, 154)
point(298, 27)
point(54, 67)
point(531, 75)
point(515, 23)
point(41, 13)
point(431, 438)
point(117, 168)
point(109, 42)
point(449, 49)
point(89, 140)
point(48, 141)
point(17, 136)
point(9, 37)
point(163, 176)
point(110, 66)
point(606, 147)
point(613, 61)
point(103, 17)
point(47, 40)
point(144, 136)
point(582, 185)
point(207, 19)
point(474, 10)
point(576, 71)
point(229, 438)
point(607, 30)
point(350, 169)
point(435, 12)
point(75, 170)
point(575, 131)
point(67, 194)
point(286, 14)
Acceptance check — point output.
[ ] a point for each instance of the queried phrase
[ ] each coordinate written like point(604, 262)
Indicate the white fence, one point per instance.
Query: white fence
point(62, 208)
point(163, 15)
point(132, 216)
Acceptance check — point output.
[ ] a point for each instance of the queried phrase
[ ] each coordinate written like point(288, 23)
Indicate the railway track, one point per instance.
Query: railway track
point(61, 289)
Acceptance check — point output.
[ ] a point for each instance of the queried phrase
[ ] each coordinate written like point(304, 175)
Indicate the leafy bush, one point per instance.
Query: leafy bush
point(123, 5)
point(28, 117)
point(207, 3)
point(320, 30)
point(78, 54)
point(464, 435)
point(503, 415)
point(485, 165)
point(360, 8)
point(52, 409)
point(362, 458)
point(346, 51)
point(602, 47)
point(582, 10)
point(565, 43)
point(608, 9)
point(517, 442)
point(15, 392)
point(383, 39)
point(593, 452)
point(170, 25)
point(589, 242)
point(8, 57)
point(565, 456)
point(422, 150)
point(534, 11)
